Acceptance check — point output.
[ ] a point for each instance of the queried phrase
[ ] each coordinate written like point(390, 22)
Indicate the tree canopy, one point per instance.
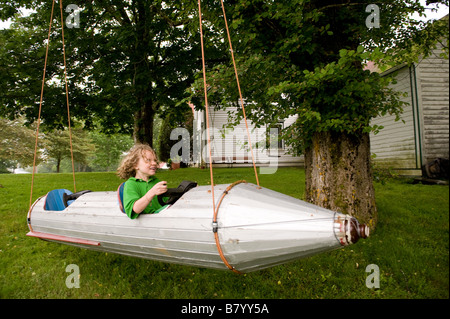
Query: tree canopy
point(126, 62)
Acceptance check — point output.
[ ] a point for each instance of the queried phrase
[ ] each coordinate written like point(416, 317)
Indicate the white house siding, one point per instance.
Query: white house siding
point(433, 78)
point(395, 144)
point(425, 134)
point(229, 146)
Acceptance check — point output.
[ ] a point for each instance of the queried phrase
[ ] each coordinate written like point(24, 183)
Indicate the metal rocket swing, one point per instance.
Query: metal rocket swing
point(247, 229)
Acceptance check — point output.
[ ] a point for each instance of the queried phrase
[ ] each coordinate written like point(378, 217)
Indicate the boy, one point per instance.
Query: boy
point(142, 187)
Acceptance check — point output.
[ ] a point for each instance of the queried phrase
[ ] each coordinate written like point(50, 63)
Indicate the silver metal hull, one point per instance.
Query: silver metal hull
point(256, 228)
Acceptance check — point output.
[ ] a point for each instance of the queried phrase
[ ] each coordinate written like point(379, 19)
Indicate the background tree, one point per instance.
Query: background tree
point(16, 144)
point(108, 150)
point(307, 58)
point(57, 147)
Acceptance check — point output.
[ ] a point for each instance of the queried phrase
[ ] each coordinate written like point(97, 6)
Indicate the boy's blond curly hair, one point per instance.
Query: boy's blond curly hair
point(126, 168)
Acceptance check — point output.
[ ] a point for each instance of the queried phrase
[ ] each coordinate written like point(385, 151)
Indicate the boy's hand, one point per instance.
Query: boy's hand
point(159, 188)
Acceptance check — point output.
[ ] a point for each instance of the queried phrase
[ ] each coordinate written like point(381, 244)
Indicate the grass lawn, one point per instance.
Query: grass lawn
point(410, 247)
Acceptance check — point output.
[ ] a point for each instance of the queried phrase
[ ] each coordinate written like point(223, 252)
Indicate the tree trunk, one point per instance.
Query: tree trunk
point(142, 81)
point(339, 175)
point(58, 164)
point(143, 124)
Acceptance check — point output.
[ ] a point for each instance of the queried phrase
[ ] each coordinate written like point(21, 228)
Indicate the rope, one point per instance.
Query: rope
point(40, 105)
point(206, 104)
point(216, 234)
point(216, 210)
point(240, 93)
point(67, 95)
point(41, 99)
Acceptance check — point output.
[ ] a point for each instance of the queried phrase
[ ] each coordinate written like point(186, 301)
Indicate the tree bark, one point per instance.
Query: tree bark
point(58, 164)
point(143, 124)
point(339, 175)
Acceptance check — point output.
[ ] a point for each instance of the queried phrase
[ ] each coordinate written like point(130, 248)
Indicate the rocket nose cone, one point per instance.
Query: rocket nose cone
point(351, 231)
point(356, 230)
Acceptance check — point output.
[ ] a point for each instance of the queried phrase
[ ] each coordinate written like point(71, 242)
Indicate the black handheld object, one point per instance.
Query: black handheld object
point(175, 193)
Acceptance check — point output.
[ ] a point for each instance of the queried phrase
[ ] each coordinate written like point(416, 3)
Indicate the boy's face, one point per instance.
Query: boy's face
point(146, 166)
